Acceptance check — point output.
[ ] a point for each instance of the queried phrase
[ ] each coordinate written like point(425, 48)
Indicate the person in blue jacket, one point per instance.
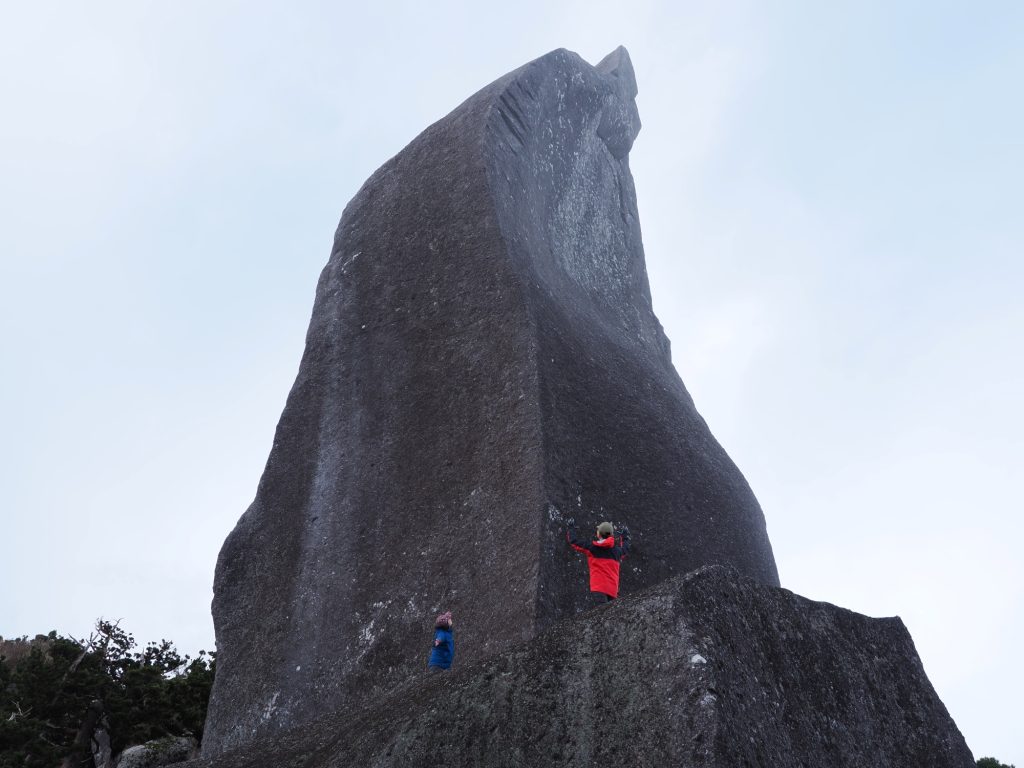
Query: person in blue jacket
point(443, 652)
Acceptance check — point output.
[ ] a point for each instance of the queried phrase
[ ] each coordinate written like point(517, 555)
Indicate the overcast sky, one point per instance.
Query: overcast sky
point(831, 201)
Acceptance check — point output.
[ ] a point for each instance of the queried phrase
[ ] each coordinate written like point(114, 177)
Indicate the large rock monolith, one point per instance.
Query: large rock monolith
point(482, 364)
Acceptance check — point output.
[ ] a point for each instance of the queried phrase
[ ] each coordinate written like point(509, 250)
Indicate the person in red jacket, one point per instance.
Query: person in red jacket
point(604, 554)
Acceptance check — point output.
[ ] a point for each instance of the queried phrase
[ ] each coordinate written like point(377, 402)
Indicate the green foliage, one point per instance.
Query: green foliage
point(52, 683)
point(991, 762)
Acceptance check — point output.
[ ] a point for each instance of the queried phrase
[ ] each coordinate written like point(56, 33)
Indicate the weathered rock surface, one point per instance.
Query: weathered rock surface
point(159, 752)
point(482, 363)
point(709, 670)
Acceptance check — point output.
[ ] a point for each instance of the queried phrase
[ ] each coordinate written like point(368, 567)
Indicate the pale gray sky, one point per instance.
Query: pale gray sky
point(830, 196)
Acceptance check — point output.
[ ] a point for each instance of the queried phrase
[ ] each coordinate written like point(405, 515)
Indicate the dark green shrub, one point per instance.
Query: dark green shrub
point(55, 690)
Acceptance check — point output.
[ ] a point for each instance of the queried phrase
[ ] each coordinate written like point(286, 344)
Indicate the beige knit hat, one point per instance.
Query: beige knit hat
point(605, 529)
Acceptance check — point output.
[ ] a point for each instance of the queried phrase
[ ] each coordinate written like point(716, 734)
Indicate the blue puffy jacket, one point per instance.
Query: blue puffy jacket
point(444, 649)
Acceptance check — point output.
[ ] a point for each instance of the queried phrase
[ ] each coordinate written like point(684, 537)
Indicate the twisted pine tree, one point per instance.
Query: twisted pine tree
point(56, 692)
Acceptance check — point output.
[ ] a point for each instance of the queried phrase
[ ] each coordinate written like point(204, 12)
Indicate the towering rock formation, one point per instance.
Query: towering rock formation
point(482, 364)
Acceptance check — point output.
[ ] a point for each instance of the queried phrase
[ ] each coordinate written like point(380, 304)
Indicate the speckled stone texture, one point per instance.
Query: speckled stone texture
point(707, 670)
point(482, 364)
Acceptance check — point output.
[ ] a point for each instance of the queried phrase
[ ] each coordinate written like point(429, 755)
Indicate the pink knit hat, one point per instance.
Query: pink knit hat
point(444, 620)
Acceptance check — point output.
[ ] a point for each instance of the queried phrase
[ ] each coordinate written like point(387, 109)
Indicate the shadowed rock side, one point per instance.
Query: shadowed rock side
point(709, 670)
point(621, 434)
point(482, 363)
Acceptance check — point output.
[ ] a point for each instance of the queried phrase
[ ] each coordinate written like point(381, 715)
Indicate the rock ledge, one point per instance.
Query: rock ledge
point(710, 669)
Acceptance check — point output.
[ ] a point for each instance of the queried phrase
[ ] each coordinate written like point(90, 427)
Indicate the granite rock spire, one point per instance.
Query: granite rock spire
point(483, 363)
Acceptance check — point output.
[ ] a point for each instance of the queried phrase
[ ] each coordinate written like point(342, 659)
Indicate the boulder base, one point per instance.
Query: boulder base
point(710, 669)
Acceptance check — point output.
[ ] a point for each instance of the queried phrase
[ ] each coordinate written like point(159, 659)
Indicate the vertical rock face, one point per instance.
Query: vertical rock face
point(482, 363)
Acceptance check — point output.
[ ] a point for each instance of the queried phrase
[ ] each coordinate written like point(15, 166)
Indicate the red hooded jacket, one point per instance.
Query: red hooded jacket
point(603, 558)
